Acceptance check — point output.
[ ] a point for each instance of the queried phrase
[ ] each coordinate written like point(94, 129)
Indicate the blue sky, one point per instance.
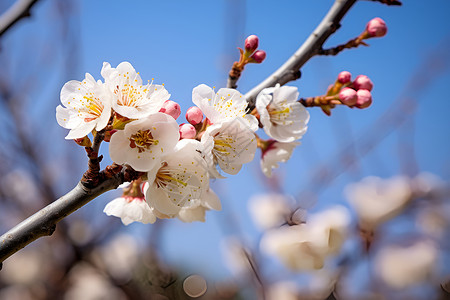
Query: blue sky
point(185, 43)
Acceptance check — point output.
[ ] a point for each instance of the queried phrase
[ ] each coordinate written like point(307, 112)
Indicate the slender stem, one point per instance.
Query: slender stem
point(17, 11)
point(290, 70)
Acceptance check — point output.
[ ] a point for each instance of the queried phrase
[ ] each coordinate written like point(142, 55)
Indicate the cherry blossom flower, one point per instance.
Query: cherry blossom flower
point(283, 118)
point(178, 181)
point(230, 145)
point(274, 153)
point(377, 200)
point(131, 99)
point(130, 209)
point(269, 210)
point(226, 105)
point(197, 210)
point(87, 107)
point(306, 246)
point(143, 142)
point(401, 267)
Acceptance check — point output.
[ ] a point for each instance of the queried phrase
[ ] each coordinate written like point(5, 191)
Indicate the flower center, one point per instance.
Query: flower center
point(223, 145)
point(142, 140)
point(279, 115)
point(128, 95)
point(93, 108)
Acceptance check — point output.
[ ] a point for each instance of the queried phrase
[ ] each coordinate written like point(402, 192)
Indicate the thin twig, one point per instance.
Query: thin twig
point(19, 10)
point(388, 2)
point(354, 43)
point(290, 70)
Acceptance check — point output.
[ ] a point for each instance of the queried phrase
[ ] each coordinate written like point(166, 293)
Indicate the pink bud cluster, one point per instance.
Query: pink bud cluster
point(356, 93)
point(251, 44)
point(194, 116)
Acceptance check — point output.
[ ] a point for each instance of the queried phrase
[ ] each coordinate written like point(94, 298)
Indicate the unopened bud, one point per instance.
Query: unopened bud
point(251, 43)
point(171, 108)
point(258, 56)
point(194, 115)
point(362, 82)
point(344, 77)
point(364, 98)
point(376, 27)
point(187, 131)
point(348, 96)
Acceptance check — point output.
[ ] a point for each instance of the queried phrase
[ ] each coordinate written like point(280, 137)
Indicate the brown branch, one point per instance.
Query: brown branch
point(290, 70)
point(17, 11)
point(43, 223)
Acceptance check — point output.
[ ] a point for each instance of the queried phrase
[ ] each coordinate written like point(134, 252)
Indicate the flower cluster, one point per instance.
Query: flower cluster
point(176, 161)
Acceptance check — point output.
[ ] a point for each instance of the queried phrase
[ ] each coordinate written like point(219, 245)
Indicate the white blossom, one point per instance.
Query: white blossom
point(282, 116)
point(226, 105)
point(197, 210)
point(130, 98)
point(143, 143)
point(377, 200)
point(269, 210)
point(306, 246)
point(130, 210)
point(179, 181)
point(87, 106)
point(401, 267)
point(275, 153)
point(229, 144)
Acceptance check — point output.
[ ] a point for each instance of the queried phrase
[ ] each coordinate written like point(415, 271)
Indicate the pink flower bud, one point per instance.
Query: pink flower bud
point(344, 77)
point(259, 56)
point(187, 131)
point(364, 98)
point(171, 108)
point(194, 115)
point(251, 43)
point(376, 27)
point(362, 82)
point(348, 96)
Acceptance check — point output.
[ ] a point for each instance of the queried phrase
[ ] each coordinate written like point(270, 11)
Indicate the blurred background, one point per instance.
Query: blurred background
point(186, 43)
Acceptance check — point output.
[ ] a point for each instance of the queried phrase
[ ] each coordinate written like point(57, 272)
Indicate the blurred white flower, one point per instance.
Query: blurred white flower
point(235, 256)
point(283, 290)
point(269, 210)
point(19, 185)
point(87, 107)
point(130, 98)
point(306, 246)
point(282, 116)
point(377, 200)
point(88, 284)
point(25, 268)
point(401, 267)
point(143, 142)
point(275, 153)
point(120, 256)
point(130, 210)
